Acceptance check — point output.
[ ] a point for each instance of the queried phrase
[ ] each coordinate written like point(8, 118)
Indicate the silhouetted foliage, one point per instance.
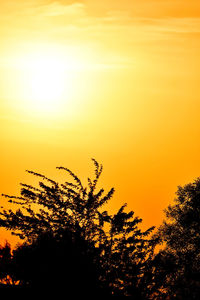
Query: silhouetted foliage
point(177, 266)
point(5, 264)
point(62, 262)
point(109, 250)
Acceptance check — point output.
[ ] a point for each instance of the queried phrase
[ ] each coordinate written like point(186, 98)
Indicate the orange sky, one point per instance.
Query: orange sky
point(113, 80)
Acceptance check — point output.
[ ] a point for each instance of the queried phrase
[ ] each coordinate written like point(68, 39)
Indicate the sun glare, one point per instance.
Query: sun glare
point(46, 80)
point(51, 82)
point(46, 83)
point(50, 79)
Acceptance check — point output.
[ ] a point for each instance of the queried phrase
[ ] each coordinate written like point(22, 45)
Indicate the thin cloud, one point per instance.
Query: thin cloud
point(57, 9)
point(119, 32)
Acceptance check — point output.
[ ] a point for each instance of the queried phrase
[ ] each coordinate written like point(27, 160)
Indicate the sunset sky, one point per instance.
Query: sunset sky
point(114, 80)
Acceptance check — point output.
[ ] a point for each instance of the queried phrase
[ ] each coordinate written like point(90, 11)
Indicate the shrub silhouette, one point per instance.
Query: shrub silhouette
point(64, 263)
point(177, 265)
point(114, 247)
point(6, 274)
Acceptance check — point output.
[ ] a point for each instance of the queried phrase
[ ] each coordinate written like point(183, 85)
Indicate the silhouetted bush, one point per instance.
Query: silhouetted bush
point(62, 262)
point(67, 232)
point(177, 265)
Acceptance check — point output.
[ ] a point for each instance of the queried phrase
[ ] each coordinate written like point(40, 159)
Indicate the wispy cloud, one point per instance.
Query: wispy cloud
point(57, 9)
point(76, 17)
point(123, 34)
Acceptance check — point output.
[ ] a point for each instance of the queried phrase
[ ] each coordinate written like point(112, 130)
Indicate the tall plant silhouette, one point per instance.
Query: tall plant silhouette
point(122, 249)
point(177, 265)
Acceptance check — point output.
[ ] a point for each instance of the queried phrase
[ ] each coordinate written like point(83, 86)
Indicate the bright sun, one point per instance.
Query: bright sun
point(51, 81)
point(46, 81)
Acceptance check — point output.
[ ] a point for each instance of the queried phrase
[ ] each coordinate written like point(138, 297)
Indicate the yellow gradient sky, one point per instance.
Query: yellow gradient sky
point(115, 80)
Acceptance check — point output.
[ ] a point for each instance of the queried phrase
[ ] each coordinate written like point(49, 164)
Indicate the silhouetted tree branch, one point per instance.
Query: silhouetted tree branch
point(119, 247)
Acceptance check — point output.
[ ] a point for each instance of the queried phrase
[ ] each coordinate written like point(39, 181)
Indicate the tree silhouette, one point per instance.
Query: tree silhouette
point(119, 251)
point(178, 263)
point(55, 263)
